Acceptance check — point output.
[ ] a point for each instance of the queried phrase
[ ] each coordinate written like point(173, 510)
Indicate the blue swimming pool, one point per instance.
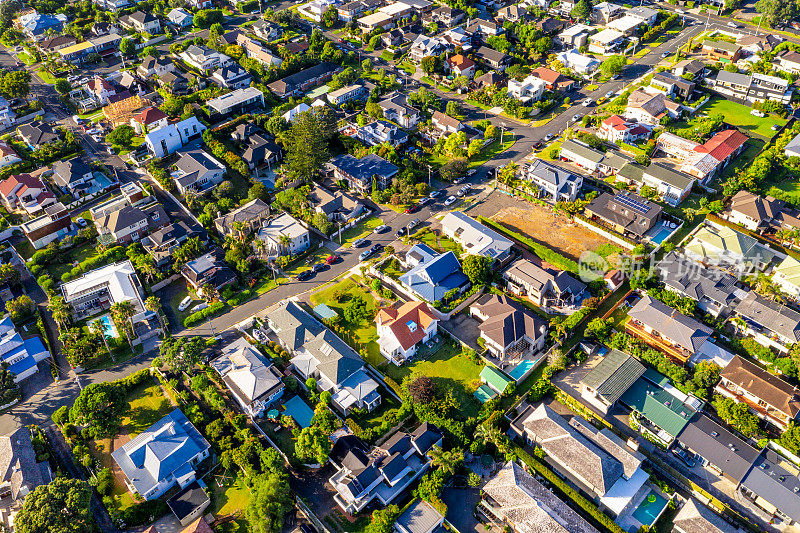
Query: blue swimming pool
point(108, 326)
point(650, 508)
point(297, 409)
point(521, 369)
point(662, 234)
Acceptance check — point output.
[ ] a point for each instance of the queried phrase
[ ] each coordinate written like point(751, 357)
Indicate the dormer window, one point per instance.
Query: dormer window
point(412, 326)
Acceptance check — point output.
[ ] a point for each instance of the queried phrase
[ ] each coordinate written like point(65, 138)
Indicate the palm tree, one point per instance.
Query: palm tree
point(122, 312)
point(285, 242)
point(154, 304)
point(260, 247)
point(60, 311)
point(98, 328)
point(487, 434)
point(238, 227)
point(210, 292)
point(148, 268)
point(447, 461)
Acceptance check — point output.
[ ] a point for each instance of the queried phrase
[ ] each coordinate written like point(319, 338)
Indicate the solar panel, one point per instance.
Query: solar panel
point(636, 205)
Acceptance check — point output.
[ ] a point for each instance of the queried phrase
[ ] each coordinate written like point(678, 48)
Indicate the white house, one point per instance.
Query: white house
point(180, 17)
point(578, 62)
point(8, 156)
point(197, 171)
point(284, 234)
point(203, 58)
point(102, 287)
point(168, 139)
point(605, 42)
point(616, 129)
point(474, 237)
point(402, 330)
point(531, 88)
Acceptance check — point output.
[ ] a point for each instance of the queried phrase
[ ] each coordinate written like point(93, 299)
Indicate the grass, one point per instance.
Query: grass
point(25, 249)
point(282, 438)
point(135, 143)
point(392, 268)
point(441, 244)
point(26, 58)
point(146, 406)
point(739, 115)
point(407, 67)
point(92, 116)
point(592, 87)
point(267, 285)
point(754, 147)
point(362, 229)
point(545, 152)
point(386, 55)
point(78, 254)
point(388, 405)
point(641, 53)
point(175, 301)
point(307, 261)
point(231, 498)
point(489, 152)
point(46, 76)
point(446, 367)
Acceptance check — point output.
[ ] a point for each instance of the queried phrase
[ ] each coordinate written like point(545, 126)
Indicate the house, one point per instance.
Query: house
point(693, 157)
point(446, 16)
point(550, 25)
point(788, 61)
point(208, 269)
point(512, 13)
point(20, 470)
point(624, 212)
point(267, 30)
point(419, 517)
point(197, 171)
point(337, 206)
point(670, 185)
point(530, 89)
point(152, 66)
point(476, 238)
point(26, 193)
point(255, 50)
point(402, 330)
point(650, 108)
point(787, 276)
point(20, 355)
point(231, 77)
point(99, 289)
point(254, 381)
point(444, 125)
point(714, 291)
point(38, 135)
point(319, 353)
point(627, 26)
point(7, 115)
point(599, 462)
point(513, 496)
point(396, 108)
point(73, 174)
point(767, 396)
point(753, 87)
point(591, 160)
point(754, 212)
point(616, 129)
point(492, 58)
point(490, 79)
point(101, 90)
point(555, 183)
point(381, 132)
point(574, 37)
point(174, 83)
point(722, 50)
point(724, 246)
point(284, 235)
point(188, 506)
point(545, 287)
point(660, 326)
point(348, 93)
point(180, 17)
point(673, 85)
point(494, 382)
point(769, 323)
point(54, 44)
point(261, 149)
point(37, 26)
point(694, 517)
point(150, 119)
point(52, 225)
point(141, 22)
point(555, 81)
point(645, 14)
point(458, 38)
point(8, 156)
point(161, 243)
point(578, 62)
point(424, 46)
point(758, 44)
point(374, 21)
point(77, 53)
point(606, 41)
point(384, 472)
point(609, 379)
point(772, 484)
point(169, 139)
point(304, 80)
point(393, 37)
point(237, 101)
point(361, 173)
point(129, 223)
point(481, 28)
point(605, 12)
point(459, 65)
point(204, 59)
point(510, 330)
point(433, 276)
point(351, 10)
point(164, 455)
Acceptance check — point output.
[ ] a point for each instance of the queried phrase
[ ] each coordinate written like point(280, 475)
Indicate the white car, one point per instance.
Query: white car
point(548, 137)
point(462, 191)
point(587, 102)
point(199, 307)
point(359, 242)
point(186, 302)
point(732, 25)
point(450, 200)
point(81, 222)
point(380, 229)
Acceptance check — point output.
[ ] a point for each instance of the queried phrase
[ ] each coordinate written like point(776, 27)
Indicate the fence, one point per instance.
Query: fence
point(610, 236)
point(311, 516)
point(164, 282)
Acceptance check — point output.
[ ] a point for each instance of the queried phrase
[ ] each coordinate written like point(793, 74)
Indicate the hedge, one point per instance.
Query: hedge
point(201, 315)
point(544, 253)
point(603, 520)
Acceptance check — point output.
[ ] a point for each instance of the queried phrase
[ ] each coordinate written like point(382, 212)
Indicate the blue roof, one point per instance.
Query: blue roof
point(324, 312)
point(363, 169)
point(432, 278)
point(22, 365)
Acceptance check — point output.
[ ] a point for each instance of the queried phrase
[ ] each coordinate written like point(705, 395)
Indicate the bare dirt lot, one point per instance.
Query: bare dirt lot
point(554, 231)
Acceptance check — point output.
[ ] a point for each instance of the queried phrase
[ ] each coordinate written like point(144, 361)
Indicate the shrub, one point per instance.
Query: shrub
point(143, 513)
point(199, 316)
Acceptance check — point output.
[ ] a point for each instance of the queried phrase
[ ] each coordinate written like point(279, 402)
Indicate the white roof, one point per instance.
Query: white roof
point(625, 23)
point(394, 9)
point(606, 36)
point(300, 108)
point(474, 236)
point(575, 30)
point(711, 352)
point(620, 494)
point(572, 57)
point(118, 277)
point(286, 225)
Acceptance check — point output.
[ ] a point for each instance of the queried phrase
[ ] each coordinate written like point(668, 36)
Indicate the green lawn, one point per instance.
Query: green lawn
point(447, 367)
point(489, 152)
point(25, 249)
point(754, 147)
point(362, 229)
point(282, 438)
point(176, 301)
point(306, 262)
point(408, 67)
point(80, 253)
point(92, 116)
point(441, 244)
point(392, 268)
point(232, 497)
point(739, 115)
point(26, 58)
point(46, 76)
point(146, 406)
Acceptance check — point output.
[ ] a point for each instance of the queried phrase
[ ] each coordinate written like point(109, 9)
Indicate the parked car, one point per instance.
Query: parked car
point(331, 259)
point(472, 171)
point(199, 307)
point(548, 137)
point(377, 247)
point(576, 117)
point(681, 454)
point(435, 194)
point(732, 25)
point(186, 302)
point(305, 274)
point(358, 243)
point(366, 254)
point(381, 229)
point(402, 232)
point(587, 102)
point(411, 209)
point(81, 222)
point(423, 201)
point(413, 224)
point(462, 191)
point(319, 267)
point(664, 54)
point(459, 180)
point(610, 94)
point(757, 113)
point(450, 200)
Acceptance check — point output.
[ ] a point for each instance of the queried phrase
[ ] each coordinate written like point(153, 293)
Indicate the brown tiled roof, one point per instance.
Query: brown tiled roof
point(198, 526)
point(762, 384)
point(397, 320)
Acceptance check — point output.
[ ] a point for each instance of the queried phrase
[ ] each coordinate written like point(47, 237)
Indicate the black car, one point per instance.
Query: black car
point(681, 454)
point(319, 267)
point(376, 248)
point(305, 274)
point(402, 231)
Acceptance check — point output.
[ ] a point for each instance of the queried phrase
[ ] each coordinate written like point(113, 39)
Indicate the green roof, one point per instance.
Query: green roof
point(612, 376)
point(657, 405)
point(722, 45)
point(495, 379)
point(632, 172)
point(484, 394)
point(324, 312)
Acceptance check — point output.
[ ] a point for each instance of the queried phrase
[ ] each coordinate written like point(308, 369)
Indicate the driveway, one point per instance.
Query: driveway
point(461, 505)
point(465, 328)
point(313, 487)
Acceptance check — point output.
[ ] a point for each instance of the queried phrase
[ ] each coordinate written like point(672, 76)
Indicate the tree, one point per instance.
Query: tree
point(582, 10)
point(181, 354)
point(356, 310)
point(447, 461)
point(383, 520)
point(98, 328)
point(154, 304)
point(613, 65)
point(205, 18)
point(453, 169)
point(126, 47)
point(452, 108)
point(478, 268)
point(366, 65)
point(491, 132)
point(9, 390)
point(61, 506)
point(122, 135)
point(122, 313)
point(312, 445)
point(20, 307)
point(9, 274)
point(100, 406)
point(599, 329)
point(271, 499)
point(16, 84)
point(307, 149)
point(776, 11)
point(63, 86)
point(322, 223)
point(737, 414)
point(422, 390)
point(215, 32)
point(429, 64)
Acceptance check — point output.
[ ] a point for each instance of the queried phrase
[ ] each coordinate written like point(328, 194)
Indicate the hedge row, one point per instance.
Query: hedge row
point(201, 315)
point(544, 253)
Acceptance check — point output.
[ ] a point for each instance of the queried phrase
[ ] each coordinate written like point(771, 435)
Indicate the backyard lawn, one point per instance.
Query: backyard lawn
point(67, 260)
point(441, 244)
point(231, 498)
point(486, 154)
point(392, 268)
point(739, 115)
point(362, 229)
point(448, 367)
point(46, 76)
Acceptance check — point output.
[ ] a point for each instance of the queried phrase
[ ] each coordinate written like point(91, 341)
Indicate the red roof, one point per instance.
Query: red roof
point(725, 143)
point(6, 149)
point(98, 84)
point(149, 116)
point(198, 526)
point(616, 122)
point(398, 320)
point(638, 130)
point(26, 180)
point(460, 62)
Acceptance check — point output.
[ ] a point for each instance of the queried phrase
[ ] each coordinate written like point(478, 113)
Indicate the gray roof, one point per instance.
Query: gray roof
point(670, 323)
point(490, 54)
point(669, 176)
point(292, 325)
point(774, 316)
point(583, 150)
point(337, 360)
point(246, 372)
point(718, 446)
point(733, 77)
point(694, 280)
point(694, 517)
point(774, 483)
point(550, 173)
point(188, 500)
point(420, 517)
point(533, 275)
point(507, 320)
point(18, 464)
point(250, 211)
point(37, 134)
point(66, 172)
point(364, 168)
point(614, 375)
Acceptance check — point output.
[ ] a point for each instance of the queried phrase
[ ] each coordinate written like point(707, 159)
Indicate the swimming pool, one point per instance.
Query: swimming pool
point(662, 234)
point(108, 326)
point(650, 508)
point(297, 409)
point(519, 371)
